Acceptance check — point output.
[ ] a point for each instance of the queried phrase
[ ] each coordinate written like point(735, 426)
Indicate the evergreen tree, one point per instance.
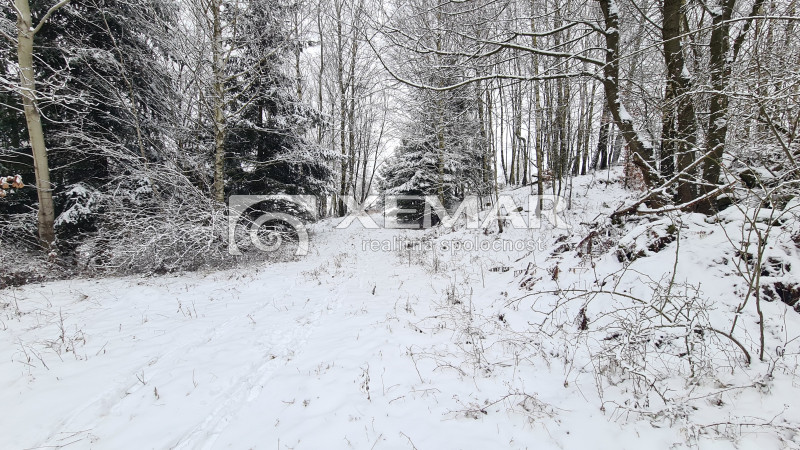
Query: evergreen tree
point(104, 92)
point(441, 151)
point(267, 146)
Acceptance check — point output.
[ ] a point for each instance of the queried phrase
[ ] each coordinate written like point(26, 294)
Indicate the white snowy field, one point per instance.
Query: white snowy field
point(421, 348)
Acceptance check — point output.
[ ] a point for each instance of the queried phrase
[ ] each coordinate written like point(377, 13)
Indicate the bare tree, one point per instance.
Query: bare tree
point(26, 31)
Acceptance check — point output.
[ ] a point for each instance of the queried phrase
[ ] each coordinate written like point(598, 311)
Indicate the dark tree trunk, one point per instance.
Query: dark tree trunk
point(600, 159)
point(718, 109)
point(640, 151)
point(678, 134)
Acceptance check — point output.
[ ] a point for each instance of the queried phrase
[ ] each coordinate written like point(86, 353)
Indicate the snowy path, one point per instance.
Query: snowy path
point(152, 360)
point(194, 361)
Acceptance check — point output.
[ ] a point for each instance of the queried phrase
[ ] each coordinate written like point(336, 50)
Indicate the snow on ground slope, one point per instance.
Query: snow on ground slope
point(423, 343)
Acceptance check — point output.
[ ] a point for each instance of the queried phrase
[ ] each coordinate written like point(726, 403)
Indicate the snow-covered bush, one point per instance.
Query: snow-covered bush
point(19, 241)
point(80, 205)
point(145, 230)
point(18, 238)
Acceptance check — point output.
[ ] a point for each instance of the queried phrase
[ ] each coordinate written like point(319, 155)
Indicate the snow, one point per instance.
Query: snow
point(84, 201)
point(613, 8)
point(433, 348)
point(624, 115)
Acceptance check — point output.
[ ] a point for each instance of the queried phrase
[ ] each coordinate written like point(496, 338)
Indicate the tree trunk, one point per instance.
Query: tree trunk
point(537, 140)
point(528, 141)
point(44, 189)
point(321, 72)
point(354, 153)
point(298, 50)
point(640, 151)
point(218, 62)
point(342, 110)
point(600, 160)
point(718, 109)
point(484, 139)
point(501, 126)
point(678, 134)
point(588, 130)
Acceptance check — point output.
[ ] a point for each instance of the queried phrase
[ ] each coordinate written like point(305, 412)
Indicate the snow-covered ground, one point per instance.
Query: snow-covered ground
point(551, 346)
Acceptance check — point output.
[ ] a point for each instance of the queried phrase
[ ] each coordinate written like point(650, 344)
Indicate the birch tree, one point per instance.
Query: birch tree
point(27, 28)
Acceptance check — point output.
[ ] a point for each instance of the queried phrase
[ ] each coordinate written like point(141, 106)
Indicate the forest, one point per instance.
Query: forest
point(664, 133)
point(130, 115)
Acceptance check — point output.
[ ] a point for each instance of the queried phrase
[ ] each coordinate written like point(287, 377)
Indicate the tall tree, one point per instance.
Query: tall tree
point(268, 142)
point(26, 31)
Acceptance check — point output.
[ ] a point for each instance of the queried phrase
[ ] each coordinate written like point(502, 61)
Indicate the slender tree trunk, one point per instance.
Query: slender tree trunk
point(551, 119)
point(490, 144)
point(440, 139)
point(351, 117)
point(537, 110)
point(528, 142)
point(364, 187)
point(600, 159)
point(298, 47)
point(502, 126)
point(218, 62)
point(516, 160)
point(323, 207)
point(321, 73)
point(588, 131)
point(484, 138)
point(44, 189)
point(563, 130)
point(342, 109)
point(584, 111)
